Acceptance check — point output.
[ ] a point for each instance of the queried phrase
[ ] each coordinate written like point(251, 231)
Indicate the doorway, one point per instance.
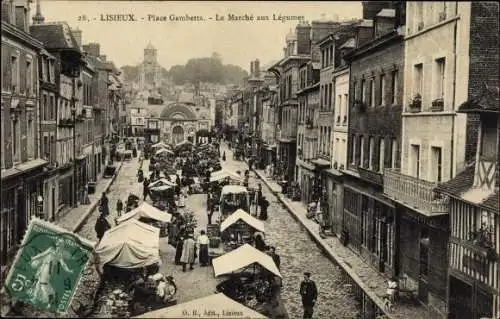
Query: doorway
point(177, 134)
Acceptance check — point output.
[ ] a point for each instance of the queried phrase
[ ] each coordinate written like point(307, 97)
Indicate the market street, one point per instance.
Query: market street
point(299, 254)
point(335, 298)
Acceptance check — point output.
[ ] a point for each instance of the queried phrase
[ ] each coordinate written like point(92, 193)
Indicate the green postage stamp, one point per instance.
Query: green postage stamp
point(48, 267)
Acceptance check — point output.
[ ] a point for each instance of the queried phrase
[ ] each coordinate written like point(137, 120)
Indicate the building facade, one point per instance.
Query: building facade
point(436, 82)
point(374, 130)
point(22, 171)
point(48, 130)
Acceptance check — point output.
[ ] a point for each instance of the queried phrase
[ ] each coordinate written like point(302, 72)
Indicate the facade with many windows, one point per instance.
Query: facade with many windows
point(374, 133)
point(21, 162)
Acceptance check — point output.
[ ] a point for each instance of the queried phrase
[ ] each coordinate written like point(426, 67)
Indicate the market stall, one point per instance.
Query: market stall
point(232, 198)
point(236, 230)
point(160, 145)
point(223, 174)
point(132, 244)
point(250, 277)
point(147, 213)
point(164, 152)
point(192, 309)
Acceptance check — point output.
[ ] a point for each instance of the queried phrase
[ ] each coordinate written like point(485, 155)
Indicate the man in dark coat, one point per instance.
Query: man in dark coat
point(264, 204)
point(101, 226)
point(309, 293)
point(275, 256)
point(104, 205)
point(145, 190)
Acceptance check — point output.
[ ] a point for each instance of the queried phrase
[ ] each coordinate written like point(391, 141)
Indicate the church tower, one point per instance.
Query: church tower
point(150, 69)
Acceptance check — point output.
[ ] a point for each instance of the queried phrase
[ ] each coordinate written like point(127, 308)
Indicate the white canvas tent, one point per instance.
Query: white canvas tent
point(234, 189)
point(163, 150)
point(194, 308)
point(160, 188)
point(161, 145)
point(219, 175)
point(148, 211)
point(130, 245)
point(242, 257)
point(240, 214)
point(161, 182)
point(184, 143)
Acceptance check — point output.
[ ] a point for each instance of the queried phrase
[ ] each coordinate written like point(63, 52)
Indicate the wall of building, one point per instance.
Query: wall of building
point(381, 121)
point(339, 151)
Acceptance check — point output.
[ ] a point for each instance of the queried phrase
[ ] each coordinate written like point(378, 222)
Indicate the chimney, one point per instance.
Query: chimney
point(256, 68)
point(385, 22)
point(319, 30)
point(251, 69)
point(93, 49)
point(77, 34)
point(371, 8)
point(364, 34)
point(103, 58)
point(38, 18)
point(303, 32)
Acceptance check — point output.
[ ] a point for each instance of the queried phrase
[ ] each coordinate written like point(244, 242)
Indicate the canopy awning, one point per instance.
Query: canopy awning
point(233, 189)
point(185, 142)
point(240, 214)
point(163, 150)
point(242, 257)
point(220, 175)
point(130, 245)
point(148, 211)
point(320, 162)
point(193, 309)
point(161, 145)
point(161, 188)
point(161, 182)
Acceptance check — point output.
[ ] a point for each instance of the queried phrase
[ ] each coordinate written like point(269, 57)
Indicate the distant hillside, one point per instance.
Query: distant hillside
point(210, 70)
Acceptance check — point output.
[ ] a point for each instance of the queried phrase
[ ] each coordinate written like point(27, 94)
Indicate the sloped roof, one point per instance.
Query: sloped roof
point(55, 36)
point(461, 187)
point(387, 13)
point(486, 101)
point(182, 109)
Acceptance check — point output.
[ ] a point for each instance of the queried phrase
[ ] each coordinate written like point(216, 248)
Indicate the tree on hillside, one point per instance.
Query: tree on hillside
point(208, 69)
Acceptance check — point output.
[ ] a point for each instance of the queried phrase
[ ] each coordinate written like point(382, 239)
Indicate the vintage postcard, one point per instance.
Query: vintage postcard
point(250, 159)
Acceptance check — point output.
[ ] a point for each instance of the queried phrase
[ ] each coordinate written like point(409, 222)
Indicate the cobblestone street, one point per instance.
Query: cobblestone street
point(298, 254)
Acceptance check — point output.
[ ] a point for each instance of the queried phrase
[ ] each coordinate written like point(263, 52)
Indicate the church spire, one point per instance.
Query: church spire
point(38, 18)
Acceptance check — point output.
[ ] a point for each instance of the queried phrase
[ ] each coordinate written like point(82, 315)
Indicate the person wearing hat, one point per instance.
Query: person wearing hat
point(309, 293)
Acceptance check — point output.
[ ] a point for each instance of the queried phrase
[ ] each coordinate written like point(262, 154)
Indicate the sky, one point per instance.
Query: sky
point(238, 42)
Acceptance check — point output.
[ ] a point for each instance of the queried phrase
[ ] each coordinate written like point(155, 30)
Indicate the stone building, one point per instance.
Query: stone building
point(150, 70)
point(445, 59)
point(308, 96)
point(48, 130)
point(474, 245)
point(374, 130)
point(60, 42)
point(179, 122)
point(22, 174)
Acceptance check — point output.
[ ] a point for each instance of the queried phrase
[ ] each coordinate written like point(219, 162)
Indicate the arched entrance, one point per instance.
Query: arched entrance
point(177, 134)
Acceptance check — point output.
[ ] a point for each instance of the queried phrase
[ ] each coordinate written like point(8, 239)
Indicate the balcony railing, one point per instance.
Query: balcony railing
point(414, 192)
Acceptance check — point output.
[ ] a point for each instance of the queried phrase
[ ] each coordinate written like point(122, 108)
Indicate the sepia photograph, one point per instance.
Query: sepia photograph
point(250, 159)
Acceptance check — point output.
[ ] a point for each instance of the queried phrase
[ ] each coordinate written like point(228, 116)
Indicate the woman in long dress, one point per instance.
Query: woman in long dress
point(203, 247)
point(43, 265)
point(188, 253)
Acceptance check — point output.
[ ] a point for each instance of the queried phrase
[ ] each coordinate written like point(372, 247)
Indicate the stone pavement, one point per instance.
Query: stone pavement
point(367, 278)
point(76, 217)
point(299, 254)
